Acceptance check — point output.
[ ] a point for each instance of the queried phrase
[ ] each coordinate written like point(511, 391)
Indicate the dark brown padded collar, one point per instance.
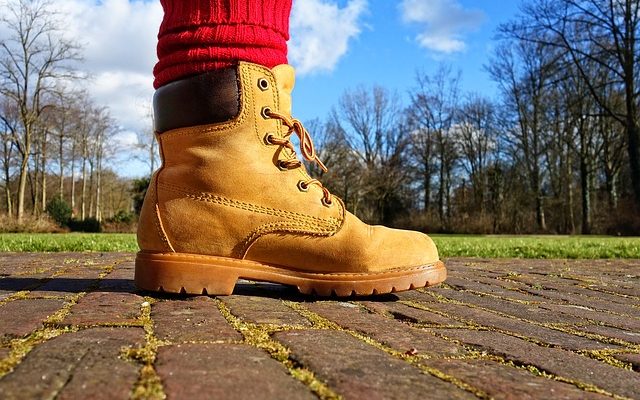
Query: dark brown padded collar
point(208, 98)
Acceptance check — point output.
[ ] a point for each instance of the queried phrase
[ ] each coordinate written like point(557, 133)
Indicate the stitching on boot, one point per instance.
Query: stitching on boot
point(278, 227)
point(210, 198)
point(161, 232)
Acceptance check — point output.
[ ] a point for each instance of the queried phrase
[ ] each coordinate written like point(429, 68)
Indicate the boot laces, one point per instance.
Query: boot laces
point(307, 149)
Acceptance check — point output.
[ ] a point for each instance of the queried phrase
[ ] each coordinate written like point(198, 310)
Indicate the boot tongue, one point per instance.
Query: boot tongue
point(285, 79)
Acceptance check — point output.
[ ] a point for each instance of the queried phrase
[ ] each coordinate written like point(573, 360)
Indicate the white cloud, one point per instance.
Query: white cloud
point(119, 47)
point(443, 23)
point(321, 31)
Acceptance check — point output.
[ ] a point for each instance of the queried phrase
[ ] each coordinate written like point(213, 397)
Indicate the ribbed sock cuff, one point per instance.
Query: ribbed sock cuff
point(197, 36)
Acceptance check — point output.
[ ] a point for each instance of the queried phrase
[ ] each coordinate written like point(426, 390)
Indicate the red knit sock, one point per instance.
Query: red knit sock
point(197, 36)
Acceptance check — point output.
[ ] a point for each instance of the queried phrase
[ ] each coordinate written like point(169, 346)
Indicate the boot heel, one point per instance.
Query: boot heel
point(159, 274)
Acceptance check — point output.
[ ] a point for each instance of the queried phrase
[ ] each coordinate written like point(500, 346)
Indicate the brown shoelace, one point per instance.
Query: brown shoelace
point(307, 149)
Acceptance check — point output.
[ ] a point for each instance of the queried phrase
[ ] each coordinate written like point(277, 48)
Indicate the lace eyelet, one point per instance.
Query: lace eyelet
point(263, 84)
point(303, 187)
point(282, 166)
point(267, 139)
point(327, 203)
point(265, 112)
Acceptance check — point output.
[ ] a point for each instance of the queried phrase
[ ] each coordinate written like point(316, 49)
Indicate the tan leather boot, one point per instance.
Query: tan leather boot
point(231, 200)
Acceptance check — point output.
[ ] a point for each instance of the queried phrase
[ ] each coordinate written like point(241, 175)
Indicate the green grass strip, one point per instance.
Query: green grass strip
point(538, 246)
point(488, 246)
point(55, 242)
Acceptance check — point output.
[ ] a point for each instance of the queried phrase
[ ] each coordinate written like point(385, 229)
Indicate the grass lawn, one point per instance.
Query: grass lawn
point(492, 246)
point(537, 246)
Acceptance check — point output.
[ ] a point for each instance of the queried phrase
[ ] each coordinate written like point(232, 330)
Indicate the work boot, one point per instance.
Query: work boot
point(232, 200)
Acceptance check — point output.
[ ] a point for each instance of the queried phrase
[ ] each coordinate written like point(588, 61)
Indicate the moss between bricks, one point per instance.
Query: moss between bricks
point(558, 327)
point(528, 367)
point(260, 336)
point(149, 385)
point(21, 347)
point(323, 323)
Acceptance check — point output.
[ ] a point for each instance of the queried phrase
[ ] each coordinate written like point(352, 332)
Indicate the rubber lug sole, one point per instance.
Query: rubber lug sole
point(210, 275)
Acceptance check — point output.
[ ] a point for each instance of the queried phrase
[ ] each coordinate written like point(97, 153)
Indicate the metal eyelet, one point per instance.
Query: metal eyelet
point(327, 203)
point(303, 187)
point(282, 166)
point(267, 138)
point(263, 84)
point(265, 112)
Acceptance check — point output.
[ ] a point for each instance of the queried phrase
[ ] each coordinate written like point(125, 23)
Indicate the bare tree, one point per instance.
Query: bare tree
point(434, 108)
point(9, 120)
point(525, 72)
point(32, 59)
point(604, 32)
point(477, 139)
point(370, 120)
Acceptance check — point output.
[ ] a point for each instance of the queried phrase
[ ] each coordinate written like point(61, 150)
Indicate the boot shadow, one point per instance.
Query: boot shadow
point(243, 288)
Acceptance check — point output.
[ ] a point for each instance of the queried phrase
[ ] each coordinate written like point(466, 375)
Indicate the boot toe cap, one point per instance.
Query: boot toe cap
point(394, 248)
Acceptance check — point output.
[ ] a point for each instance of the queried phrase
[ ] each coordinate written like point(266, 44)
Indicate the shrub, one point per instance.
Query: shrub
point(122, 217)
point(138, 191)
point(59, 210)
point(121, 222)
point(91, 225)
point(30, 224)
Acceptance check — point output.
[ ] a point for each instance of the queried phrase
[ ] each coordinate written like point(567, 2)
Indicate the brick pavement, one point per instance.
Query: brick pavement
point(74, 326)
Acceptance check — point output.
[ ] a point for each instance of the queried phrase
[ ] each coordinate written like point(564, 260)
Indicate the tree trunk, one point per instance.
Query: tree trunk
point(585, 183)
point(427, 191)
point(22, 184)
point(44, 171)
point(633, 137)
point(7, 176)
point(61, 162)
point(83, 199)
point(24, 168)
point(570, 226)
point(73, 178)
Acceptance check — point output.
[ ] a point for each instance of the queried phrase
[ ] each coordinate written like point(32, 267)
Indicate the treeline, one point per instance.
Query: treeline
point(557, 152)
point(55, 141)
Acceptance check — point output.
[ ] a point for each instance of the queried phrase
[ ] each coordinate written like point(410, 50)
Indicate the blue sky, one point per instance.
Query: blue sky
point(335, 45)
point(387, 53)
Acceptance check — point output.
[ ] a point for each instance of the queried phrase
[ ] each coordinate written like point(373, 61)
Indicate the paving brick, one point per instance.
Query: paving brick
point(595, 296)
point(525, 311)
point(620, 287)
point(405, 313)
point(569, 311)
point(556, 361)
point(553, 288)
point(468, 284)
point(225, 371)
point(546, 335)
point(565, 298)
point(359, 371)
point(631, 358)
point(392, 333)
point(628, 336)
point(263, 310)
point(84, 364)
point(20, 317)
point(120, 279)
point(76, 280)
point(509, 383)
point(105, 308)
point(196, 319)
